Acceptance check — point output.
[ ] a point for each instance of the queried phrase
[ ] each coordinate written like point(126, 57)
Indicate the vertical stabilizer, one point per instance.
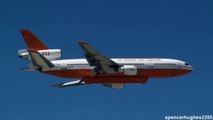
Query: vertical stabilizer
point(32, 41)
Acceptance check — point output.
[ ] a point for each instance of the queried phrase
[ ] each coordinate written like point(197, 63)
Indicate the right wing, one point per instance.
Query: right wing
point(102, 64)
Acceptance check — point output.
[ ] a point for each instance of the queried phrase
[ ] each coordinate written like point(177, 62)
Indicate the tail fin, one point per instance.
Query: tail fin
point(32, 41)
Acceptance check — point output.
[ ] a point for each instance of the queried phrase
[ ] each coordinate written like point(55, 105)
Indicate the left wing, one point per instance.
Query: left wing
point(69, 84)
point(102, 64)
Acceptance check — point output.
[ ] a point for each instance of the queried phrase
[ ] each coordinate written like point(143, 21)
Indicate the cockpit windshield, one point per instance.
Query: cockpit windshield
point(186, 64)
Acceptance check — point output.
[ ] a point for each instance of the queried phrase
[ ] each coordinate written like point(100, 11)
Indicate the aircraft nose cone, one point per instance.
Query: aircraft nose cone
point(190, 68)
point(20, 56)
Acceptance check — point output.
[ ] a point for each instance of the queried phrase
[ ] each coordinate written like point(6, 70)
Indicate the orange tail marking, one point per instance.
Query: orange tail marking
point(32, 41)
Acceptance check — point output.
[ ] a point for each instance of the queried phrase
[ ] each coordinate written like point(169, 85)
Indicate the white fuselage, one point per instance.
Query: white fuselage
point(140, 63)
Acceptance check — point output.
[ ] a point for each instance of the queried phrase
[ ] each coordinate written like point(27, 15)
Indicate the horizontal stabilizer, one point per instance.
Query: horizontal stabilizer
point(30, 68)
point(40, 60)
point(69, 84)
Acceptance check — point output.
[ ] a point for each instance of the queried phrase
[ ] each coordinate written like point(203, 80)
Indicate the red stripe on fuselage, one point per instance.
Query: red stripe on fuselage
point(163, 73)
point(149, 73)
point(77, 73)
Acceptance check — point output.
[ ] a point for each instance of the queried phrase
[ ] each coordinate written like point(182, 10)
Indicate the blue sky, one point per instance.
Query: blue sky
point(168, 29)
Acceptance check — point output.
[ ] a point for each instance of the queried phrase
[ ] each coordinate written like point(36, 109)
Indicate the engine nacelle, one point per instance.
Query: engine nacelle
point(50, 54)
point(114, 85)
point(129, 70)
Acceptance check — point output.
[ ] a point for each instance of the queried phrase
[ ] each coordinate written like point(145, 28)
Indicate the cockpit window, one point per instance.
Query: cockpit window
point(186, 64)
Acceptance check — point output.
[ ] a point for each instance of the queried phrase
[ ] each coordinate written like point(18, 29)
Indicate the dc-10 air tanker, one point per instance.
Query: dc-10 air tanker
point(96, 68)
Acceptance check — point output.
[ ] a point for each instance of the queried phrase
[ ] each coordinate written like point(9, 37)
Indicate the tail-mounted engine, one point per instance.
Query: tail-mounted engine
point(50, 54)
point(129, 70)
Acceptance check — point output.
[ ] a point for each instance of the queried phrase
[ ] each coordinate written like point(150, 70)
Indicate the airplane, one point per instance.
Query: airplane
point(96, 68)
